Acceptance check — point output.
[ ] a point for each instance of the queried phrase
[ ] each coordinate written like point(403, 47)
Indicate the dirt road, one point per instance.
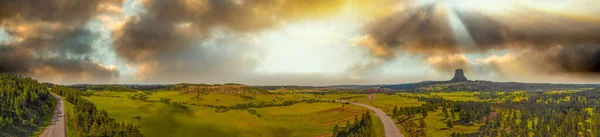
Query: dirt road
point(57, 126)
point(389, 126)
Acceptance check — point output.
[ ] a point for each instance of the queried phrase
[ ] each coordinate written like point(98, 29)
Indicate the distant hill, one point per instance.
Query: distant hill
point(118, 87)
point(478, 85)
point(445, 86)
point(230, 88)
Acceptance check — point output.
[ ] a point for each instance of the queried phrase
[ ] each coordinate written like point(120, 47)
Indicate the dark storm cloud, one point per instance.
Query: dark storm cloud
point(573, 64)
point(49, 39)
point(429, 31)
point(577, 59)
point(13, 60)
point(414, 30)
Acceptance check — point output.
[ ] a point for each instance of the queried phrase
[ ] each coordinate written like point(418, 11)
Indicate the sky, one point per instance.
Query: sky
point(300, 42)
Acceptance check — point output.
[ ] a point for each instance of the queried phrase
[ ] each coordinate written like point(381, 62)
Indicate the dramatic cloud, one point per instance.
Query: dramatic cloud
point(168, 31)
point(216, 41)
point(49, 40)
point(437, 28)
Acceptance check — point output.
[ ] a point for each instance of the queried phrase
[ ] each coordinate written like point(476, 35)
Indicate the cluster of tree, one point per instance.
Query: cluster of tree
point(24, 105)
point(455, 112)
point(139, 96)
point(253, 112)
point(165, 100)
point(248, 105)
point(87, 121)
point(411, 127)
point(115, 87)
point(471, 111)
point(362, 127)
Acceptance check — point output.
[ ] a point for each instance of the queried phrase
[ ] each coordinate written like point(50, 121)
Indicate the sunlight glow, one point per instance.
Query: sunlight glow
point(483, 5)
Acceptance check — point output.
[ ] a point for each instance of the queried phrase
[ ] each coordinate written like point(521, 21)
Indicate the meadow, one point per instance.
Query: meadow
point(436, 126)
point(157, 118)
point(387, 102)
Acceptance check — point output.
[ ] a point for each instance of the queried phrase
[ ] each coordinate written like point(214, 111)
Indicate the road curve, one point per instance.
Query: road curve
point(389, 126)
point(57, 126)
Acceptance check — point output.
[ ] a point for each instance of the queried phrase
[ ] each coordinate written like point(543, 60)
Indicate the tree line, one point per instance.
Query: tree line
point(24, 105)
point(249, 105)
point(362, 127)
point(88, 121)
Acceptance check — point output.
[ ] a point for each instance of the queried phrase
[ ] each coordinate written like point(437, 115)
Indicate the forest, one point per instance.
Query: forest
point(24, 105)
point(92, 122)
point(538, 114)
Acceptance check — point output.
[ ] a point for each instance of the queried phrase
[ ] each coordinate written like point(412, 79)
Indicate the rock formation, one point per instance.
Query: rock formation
point(459, 76)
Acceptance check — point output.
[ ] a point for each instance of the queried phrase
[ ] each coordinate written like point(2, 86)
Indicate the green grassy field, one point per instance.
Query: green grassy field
point(436, 126)
point(457, 96)
point(345, 96)
point(302, 119)
point(388, 102)
point(165, 119)
point(226, 99)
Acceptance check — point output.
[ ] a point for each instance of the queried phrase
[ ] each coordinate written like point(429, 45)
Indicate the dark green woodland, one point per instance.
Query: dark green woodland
point(24, 105)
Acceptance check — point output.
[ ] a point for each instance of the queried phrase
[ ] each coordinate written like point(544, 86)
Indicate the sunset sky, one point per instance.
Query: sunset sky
point(300, 42)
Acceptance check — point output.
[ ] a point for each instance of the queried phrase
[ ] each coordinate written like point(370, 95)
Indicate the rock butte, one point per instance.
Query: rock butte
point(459, 76)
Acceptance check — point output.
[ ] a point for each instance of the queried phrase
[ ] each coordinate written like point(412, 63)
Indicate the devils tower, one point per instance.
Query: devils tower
point(459, 76)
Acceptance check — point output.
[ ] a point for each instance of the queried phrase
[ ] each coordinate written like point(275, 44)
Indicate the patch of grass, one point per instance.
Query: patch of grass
point(113, 93)
point(436, 125)
point(311, 119)
point(387, 102)
point(226, 99)
point(70, 114)
point(379, 130)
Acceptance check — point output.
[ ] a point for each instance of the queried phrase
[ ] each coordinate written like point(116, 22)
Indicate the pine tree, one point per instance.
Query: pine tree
point(423, 124)
point(445, 112)
point(335, 131)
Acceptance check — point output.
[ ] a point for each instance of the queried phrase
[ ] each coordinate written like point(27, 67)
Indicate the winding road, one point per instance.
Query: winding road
point(57, 126)
point(389, 126)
